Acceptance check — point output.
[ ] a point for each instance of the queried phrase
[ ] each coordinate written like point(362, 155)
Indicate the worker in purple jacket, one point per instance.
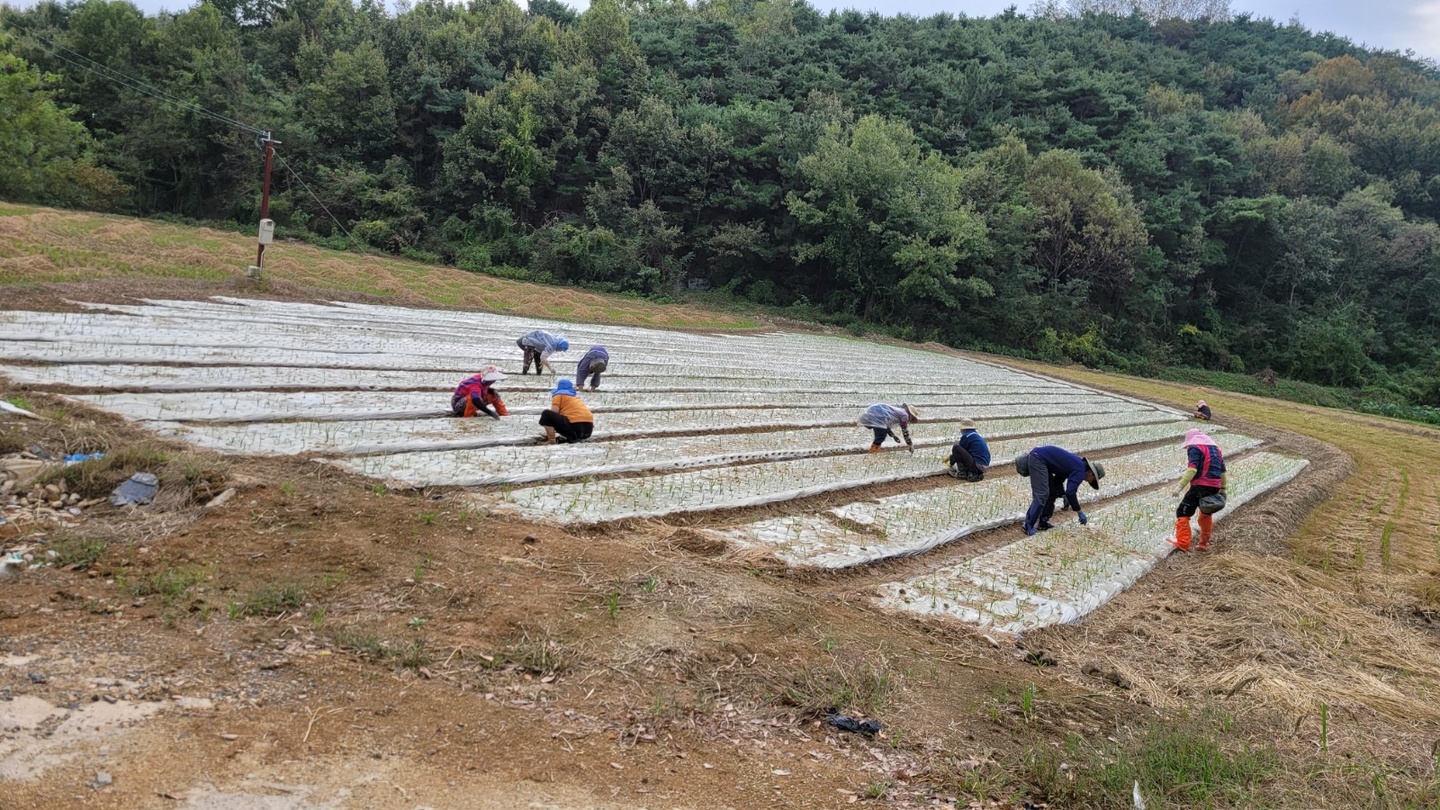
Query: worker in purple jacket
point(591, 365)
point(1051, 468)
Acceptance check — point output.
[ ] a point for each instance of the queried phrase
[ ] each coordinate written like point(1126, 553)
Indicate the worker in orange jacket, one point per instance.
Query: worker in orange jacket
point(567, 416)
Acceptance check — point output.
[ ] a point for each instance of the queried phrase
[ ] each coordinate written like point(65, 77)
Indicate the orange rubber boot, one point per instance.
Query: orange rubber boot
point(874, 448)
point(1181, 540)
point(1207, 525)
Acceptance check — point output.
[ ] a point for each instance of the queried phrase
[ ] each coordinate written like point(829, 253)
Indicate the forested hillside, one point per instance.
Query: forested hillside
point(1129, 191)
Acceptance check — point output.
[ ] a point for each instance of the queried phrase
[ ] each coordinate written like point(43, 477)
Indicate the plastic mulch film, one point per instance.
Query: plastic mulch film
point(758, 484)
point(904, 525)
point(1061, 575)
point(529, 464)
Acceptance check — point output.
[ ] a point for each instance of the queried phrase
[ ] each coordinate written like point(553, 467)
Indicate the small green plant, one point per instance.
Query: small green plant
point(650, 585)
point(422, 567)
point(416, 622)
point(1325, 727)
point(1027, 702)
point(287, 488)
point(428, 518)
point(612, 604)
point(21, 403)
point(876, 789)
point(318, 617)
point(273, 600)
point(380, 490)
point(170, 584)
point(75, 550)
point(335, 579)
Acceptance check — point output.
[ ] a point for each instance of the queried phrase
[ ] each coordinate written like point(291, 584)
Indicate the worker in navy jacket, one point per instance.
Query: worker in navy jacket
point(1050, 469)
point(970, 456)
point(591, 365)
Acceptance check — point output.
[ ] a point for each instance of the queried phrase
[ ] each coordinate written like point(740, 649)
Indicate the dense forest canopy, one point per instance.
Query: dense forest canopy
point(1169, 186)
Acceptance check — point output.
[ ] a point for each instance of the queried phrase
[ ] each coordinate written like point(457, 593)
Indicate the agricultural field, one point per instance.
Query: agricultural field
point(674, 607)
point(687, 424)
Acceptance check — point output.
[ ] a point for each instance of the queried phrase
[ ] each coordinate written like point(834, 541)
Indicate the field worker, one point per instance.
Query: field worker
point(591, 365)
point(538, 346)
point(1052, 469)
point(567, 416)
point(476, 395)
point(1205, 476)
point(883, 419)
point(970, 456)
point(1202, 411)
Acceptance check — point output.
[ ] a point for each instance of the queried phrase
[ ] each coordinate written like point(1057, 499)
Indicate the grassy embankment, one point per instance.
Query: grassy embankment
point(46, 254)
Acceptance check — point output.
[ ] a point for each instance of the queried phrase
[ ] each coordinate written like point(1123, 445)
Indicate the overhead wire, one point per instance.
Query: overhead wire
point(138, 85)
point(312, 194)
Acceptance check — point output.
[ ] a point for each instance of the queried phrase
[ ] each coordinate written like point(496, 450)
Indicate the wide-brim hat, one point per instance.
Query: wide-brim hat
point(911, 411)
point(1099, 470)
point(494, 376)
point(1195, 437)
point(967, 424)
point(563, 387)
point(1200, 404)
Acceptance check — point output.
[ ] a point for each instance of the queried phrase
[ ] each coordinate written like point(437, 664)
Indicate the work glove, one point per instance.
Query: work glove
point(911, 448)
point(1083, 519)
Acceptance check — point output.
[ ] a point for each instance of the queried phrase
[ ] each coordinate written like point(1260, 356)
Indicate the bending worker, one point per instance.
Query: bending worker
point(1206, 477)
point(1202, 411)
point(1051, 468)
point(567, 416)
point(970, 456)
point(883, 419)
point(476, 395)
point(591, 365)
point(538, 346)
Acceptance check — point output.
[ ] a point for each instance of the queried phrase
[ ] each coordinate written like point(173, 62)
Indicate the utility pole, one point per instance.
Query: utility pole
point(267, 225)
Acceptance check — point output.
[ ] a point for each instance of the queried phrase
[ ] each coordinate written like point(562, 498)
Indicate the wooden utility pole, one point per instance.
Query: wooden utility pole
point(267, 228)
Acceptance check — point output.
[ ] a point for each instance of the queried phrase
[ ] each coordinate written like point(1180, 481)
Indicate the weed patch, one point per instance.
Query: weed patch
point(73, 549)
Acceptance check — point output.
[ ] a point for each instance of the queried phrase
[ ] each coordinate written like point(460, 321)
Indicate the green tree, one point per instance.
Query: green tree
point(888, 221)
point(45, 155)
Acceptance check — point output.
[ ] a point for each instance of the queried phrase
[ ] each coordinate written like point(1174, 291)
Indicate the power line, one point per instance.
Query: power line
point(132, 83)
point(312, 194)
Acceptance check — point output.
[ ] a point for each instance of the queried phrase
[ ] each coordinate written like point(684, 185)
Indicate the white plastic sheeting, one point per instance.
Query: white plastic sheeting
point(1063, 574)
point(914, 523)
point(519, 465)
point(758, 484)
point(97, 377)
point(429, 434)
point(271, 406)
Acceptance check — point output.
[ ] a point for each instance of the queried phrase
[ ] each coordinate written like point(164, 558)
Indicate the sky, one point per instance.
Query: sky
point(1388, 24)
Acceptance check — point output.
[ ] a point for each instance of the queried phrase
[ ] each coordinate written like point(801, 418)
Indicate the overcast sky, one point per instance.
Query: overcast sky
point(1389, 24)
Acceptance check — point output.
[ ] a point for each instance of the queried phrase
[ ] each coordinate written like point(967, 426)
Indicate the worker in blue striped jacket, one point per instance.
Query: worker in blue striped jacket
point(538, 346)
point(882, 420)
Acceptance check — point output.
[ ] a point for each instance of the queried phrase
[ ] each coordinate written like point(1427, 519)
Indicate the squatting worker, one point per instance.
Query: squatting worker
point(591, 365)
point(1051, 468)
point(882, 420)
point(538, 346)
point(476, 395)
point(567, 416)
point(970, 456)
point(1205, 476)
point(1202, 411)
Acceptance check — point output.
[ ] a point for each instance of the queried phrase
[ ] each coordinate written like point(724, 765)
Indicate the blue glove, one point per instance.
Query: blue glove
point(1083, 520)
